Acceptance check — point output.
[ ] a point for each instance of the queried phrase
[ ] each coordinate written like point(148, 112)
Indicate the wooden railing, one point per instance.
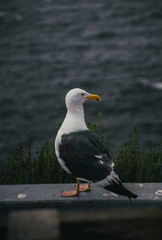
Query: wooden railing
point(37, 212)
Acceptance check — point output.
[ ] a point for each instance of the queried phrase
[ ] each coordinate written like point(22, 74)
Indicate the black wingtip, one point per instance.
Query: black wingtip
point(131, 195)
point(118, 187)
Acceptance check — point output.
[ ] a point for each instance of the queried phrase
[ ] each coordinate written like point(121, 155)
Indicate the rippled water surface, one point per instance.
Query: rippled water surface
point(111, 48)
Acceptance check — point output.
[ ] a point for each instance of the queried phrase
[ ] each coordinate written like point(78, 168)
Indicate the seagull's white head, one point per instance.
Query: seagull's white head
point(76, 97)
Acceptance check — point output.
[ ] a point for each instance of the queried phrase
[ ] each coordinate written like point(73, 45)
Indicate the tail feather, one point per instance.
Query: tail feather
point(117, 187)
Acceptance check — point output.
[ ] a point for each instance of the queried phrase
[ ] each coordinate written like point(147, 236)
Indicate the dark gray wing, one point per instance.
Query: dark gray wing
point(85, 156)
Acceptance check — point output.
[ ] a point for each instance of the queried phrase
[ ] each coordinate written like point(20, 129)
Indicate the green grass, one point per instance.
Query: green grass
point(132, 164)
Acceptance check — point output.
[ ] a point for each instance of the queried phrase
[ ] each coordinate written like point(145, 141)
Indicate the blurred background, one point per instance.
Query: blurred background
point(111, 48)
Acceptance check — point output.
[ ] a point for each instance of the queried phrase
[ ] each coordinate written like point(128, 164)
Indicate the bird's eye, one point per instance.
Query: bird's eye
point(82, 94)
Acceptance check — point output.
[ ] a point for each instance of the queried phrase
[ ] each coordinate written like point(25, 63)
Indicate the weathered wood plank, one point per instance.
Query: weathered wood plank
point(120, 223)
point(125, 223)
point(33, 225)
point(48, 195)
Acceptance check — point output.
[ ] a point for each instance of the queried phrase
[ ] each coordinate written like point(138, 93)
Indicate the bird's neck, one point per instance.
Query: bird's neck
point(74, 120)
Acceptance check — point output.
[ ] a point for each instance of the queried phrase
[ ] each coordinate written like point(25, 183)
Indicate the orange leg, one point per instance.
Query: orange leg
point(85, 187)
point(72, 193)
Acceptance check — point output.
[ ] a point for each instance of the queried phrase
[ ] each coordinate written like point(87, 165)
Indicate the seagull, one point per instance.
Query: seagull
point(81, 153)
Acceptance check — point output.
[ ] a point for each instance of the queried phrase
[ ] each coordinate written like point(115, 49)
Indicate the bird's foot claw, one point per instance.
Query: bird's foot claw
point(72, 193)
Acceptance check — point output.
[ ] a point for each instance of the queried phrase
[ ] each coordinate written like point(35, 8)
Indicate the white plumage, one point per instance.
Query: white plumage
point(80, 152)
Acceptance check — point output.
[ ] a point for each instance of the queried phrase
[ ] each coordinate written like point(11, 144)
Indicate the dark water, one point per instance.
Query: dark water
point(111, 48)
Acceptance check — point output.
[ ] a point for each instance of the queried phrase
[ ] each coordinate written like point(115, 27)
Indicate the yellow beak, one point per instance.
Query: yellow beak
point(94, 97)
